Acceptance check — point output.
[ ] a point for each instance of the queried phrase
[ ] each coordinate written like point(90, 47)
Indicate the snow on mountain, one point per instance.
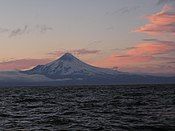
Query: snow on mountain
point(68, 70)
point(70, 66)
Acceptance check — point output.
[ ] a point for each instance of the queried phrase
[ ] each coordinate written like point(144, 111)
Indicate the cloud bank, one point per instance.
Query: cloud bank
point(22, 64)
point(151, 53)
point(29, 63)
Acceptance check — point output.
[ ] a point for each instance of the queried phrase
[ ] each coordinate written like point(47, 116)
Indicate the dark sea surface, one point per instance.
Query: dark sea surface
point(96, 108)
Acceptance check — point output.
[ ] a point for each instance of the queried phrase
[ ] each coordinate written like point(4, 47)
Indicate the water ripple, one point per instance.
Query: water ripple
point(137, 107)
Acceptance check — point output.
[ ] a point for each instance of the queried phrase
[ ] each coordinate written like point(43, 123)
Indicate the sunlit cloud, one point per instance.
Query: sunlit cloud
point(121, 60)
point(21, 64)
point(151, 49)
point(161, 22)
point(149, 52)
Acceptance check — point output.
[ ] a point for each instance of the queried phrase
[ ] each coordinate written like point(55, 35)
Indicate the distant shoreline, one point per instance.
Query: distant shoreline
point(94, 86)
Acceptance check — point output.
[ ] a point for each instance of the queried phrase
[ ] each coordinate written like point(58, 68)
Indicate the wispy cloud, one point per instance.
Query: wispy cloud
point(123, 10)
point(94, 43)
point(21, 63)
point(85, 51)
point(19, 31)
point(26, 29)
point(82, 51)
point(43, 28)
point(152, 48)
point(146, 52)
point(161, 22)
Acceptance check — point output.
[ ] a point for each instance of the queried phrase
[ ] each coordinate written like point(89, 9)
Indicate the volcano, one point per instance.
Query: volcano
point(68, 66)
point(69, 70)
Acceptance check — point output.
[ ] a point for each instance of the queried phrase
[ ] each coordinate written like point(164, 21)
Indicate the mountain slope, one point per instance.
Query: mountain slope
point(69, 66)
point(68, 70)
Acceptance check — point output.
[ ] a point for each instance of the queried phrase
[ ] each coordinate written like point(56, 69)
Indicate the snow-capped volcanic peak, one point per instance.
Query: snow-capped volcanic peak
point(69, 66)
point(65, 65)
point(68, 57)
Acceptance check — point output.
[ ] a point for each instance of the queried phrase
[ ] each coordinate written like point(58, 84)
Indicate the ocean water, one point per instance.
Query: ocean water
point(118, 108)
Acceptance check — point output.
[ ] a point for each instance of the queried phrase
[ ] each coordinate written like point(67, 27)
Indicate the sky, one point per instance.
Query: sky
point(133, 35)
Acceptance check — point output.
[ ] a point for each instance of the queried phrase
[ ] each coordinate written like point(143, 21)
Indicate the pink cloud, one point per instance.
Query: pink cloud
point(148, 53)
point(151, 48)
point(161, 22)
point(119, 60)
point(22, 64)
point(28, 63)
